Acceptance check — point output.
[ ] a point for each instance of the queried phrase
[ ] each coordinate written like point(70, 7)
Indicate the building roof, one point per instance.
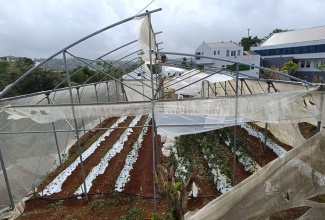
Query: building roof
point(296, 36)
point(223, 44)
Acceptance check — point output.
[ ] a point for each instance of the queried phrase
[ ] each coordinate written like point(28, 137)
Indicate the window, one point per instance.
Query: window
point(315, 63)
point(302, 64)
point(214, 52)
point(307, 64)
point(252, 67)
point(218, 52)
point(233, 53)
point(320, 48)
point(322, 62)
point(197, 53)
point(238, 52)
point(227, 53)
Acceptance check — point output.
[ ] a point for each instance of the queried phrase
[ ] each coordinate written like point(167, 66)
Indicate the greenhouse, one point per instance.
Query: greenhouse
point(40, 130)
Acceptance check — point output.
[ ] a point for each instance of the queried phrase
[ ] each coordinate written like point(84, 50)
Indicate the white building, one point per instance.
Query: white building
point(305, 47)
point(230, 51)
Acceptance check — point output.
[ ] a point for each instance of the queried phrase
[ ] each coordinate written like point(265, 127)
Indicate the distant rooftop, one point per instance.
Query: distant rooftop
point(223, 44)
point(296, 36)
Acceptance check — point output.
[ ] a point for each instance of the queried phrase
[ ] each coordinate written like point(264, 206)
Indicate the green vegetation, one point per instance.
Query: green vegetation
point(321, 67)
point(42, 79)
point(133, 214)
point(248, 42)
point(290, 66)
point(193, 149)
point(98, 206)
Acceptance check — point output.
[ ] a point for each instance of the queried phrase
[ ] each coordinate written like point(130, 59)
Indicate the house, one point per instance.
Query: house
point(10, 59)
point(305, 47)
point(230, 51)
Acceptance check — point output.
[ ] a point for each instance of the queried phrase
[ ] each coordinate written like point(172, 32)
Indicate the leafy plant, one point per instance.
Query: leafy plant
point(133, 214)
point(290, 66)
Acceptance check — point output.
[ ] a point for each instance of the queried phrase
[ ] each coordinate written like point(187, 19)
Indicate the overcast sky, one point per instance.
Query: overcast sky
point(39, 28)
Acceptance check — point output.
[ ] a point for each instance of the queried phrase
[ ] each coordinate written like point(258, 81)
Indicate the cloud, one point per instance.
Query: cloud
point(39, 28)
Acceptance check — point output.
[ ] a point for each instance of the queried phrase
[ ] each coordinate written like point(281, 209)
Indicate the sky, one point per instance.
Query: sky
point(40, 28)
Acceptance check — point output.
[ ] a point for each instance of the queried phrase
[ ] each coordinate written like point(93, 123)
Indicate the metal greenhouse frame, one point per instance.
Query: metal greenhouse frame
point(109, 92)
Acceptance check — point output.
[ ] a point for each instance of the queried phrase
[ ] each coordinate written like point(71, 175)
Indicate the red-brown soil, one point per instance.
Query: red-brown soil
point(103, 203)
point(307, 130)
point(290, 214)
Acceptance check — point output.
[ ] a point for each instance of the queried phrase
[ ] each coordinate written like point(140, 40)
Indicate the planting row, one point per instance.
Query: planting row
point(187, 151)
point(56, 185)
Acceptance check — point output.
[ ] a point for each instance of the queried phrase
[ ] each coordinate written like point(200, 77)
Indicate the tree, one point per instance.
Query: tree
point(184, 62)
point(290, 66)
point(321, 67)
point(174, 193)
point(248, 42)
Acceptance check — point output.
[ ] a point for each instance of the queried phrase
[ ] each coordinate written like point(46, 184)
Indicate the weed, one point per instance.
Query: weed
point(133, 214)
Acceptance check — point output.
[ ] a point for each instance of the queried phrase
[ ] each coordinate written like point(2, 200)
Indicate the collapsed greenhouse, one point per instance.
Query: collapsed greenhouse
point(37, 130)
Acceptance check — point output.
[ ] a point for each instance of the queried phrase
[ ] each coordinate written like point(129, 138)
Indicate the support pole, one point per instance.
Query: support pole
point(107, 91)
point(266, 124)
point(153, 117)
point(54, 132)
point(235, 130)
point(82, 120)
point(7, 181)
point(100, 120)
point(76, 125)
point(226, 88)
point(202, 86)
point(241, 86)
point(321, 113)
point(116, 91)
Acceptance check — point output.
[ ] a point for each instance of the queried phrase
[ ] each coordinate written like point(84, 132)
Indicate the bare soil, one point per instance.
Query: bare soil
point(307, 130)
point(138, 195)
point(290, 214)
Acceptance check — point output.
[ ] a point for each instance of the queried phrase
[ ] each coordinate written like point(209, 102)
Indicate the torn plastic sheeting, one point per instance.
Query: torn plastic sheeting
point(178, 124)
point(48, 113)
point(287, 107)
point(142, 32)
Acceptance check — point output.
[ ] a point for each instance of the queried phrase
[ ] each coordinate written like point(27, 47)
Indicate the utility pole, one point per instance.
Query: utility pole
point(248, 29)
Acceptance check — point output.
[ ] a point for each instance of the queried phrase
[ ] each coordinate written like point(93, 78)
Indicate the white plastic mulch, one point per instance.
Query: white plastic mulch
point(56, 184)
